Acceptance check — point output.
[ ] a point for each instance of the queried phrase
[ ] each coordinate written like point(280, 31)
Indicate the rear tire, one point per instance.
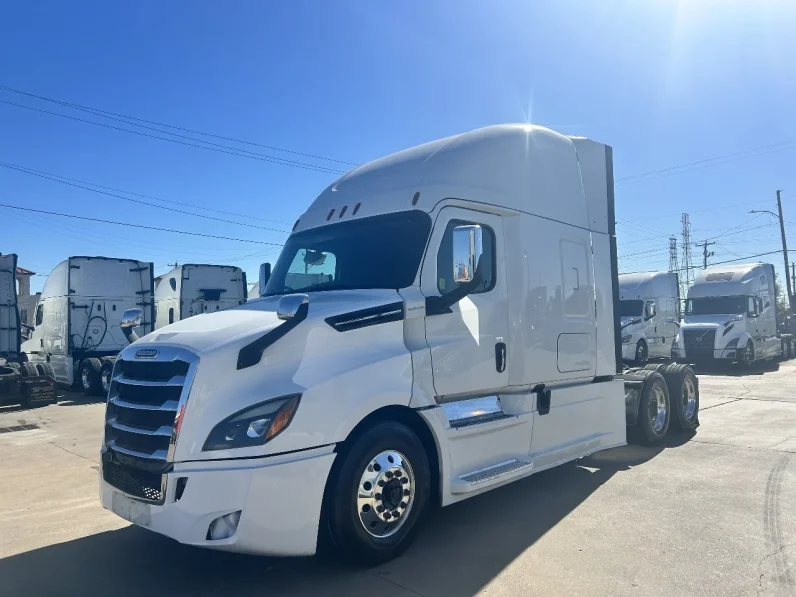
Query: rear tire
point(654, 409)
point(683, 395)
point(641, 354)
point(362, 500)
point(90, 382)
point(105, 375)
point(659, 367)
point(28, 370)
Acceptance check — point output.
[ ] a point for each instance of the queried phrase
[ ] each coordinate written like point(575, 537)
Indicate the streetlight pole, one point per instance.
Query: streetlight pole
point(784, 245)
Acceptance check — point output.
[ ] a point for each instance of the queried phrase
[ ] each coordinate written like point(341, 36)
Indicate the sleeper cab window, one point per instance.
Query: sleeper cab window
point(465, 246)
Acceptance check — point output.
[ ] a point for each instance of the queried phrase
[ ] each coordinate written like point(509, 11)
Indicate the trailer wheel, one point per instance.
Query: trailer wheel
point(378, 495)
point(28, 370)
point(641, 353)
point(48, 370)
point(105, 375)
point(659, 367)
point(684, 396)
point(654, 412)
point(90, 382)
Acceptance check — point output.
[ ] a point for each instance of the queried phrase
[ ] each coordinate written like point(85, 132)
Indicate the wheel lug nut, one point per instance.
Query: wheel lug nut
point(380, 484)
point(388, 474)
point(387, 515)
point(404, 480)
point(380, 509)
point(403, 504)
point(396, 514)
point(406, 492)
point(378, 496)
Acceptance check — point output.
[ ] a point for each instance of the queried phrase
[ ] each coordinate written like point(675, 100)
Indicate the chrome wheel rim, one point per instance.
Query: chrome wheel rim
point(749, 353)
point(385, 494)
point(657, 406)
point(84, 379)
point(689, 398)
point(106, 381)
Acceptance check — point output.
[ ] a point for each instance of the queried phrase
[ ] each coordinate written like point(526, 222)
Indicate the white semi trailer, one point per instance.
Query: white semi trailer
point(440, 322)
point(193, 289)
point(77, 317)
point(649, 310)
point(24, 383)
point(731, 316)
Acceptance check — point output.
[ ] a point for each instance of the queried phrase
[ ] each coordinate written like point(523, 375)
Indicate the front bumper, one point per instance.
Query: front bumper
point(279, 498)
point(628, 351)
point(726, 354)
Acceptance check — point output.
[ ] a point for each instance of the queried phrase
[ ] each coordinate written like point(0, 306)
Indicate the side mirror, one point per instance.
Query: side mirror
point(290, 305)
point(649, 311)
point(467, 250)
point(265, 275)
point(130, 319)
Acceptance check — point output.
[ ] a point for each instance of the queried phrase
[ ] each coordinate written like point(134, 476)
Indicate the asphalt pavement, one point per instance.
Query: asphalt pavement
point(708, 514)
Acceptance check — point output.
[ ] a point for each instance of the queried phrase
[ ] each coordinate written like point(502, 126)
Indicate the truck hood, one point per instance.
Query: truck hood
point(629, 322)
point(709, 321)
point(242, 324)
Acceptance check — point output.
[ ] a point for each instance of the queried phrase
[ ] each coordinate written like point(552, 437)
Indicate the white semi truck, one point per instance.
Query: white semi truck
point(731, 316)
point(649, 310)
point(440, 322)
point(192, 289)
point(77, 318)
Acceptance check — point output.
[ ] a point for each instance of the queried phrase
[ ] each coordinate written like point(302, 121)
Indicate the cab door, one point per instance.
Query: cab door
point(467, 337)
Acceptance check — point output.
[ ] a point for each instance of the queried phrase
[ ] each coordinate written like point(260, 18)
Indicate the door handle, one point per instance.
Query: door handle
point(500, 357)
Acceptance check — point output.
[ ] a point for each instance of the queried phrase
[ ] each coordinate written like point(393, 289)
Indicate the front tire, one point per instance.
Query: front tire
point(641, 353)
point(748, 357)
point(378, 495)
point(105, 376)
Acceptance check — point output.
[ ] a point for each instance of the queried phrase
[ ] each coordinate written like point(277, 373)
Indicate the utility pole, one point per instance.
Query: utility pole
point(705, 254)
point(688, 265)
point(793, 271)
point(778, 215)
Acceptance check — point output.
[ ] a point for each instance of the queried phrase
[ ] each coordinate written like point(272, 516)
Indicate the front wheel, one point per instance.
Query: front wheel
point(379, 494)
point(748, 356)
point(641, 353)
point(105, 376)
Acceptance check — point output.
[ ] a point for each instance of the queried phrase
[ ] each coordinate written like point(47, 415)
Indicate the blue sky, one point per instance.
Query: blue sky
point(665, 83)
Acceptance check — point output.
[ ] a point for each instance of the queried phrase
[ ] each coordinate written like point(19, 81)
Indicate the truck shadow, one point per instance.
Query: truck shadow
point(472, 542)
point(733, 370)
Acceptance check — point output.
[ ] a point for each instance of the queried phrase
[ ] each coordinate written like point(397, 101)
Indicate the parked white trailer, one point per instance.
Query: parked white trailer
point(193, 289)
point(77, 317)
point(10, 326)
point(649, 310)
point(730, 315)
point(440, 322)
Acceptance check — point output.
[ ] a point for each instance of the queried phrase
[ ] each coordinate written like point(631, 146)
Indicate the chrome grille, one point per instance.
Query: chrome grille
point(146, 397)
point(699, 344)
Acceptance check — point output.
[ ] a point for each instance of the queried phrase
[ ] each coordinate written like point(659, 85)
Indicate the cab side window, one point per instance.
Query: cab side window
point(39, 314)
point(447, 276)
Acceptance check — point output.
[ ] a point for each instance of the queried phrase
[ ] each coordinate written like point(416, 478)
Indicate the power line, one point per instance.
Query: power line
point(728, 157)
point(104, 113)
point(55, 178)
point(208, 145)
point(99, 186)
point(53, 213)
point(729, 260)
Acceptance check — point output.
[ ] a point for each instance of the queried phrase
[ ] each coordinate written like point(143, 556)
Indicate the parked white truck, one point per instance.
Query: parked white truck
point(731, 315)
point(649, 310)
point(440, 322)
point(191, 289)
point(77, 317)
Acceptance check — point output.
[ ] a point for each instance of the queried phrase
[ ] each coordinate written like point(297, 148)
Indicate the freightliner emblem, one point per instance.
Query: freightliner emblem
point(146, 353)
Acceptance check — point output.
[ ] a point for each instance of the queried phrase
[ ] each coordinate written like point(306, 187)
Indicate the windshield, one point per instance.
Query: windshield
point(631, 308)
point(375, 252)
point(716, 305)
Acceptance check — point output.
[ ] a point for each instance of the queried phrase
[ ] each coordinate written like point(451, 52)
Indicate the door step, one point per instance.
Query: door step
point(491, 475)
point(477, 420)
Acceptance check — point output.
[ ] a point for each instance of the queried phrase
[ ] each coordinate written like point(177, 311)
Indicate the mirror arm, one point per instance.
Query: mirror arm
point(437, 305)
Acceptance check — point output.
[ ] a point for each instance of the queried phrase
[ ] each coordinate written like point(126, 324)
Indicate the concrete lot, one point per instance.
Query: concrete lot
point(713, 514)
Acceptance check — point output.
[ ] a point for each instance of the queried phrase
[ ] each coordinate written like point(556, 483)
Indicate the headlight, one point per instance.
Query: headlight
point(626, 339)
point(254, 425)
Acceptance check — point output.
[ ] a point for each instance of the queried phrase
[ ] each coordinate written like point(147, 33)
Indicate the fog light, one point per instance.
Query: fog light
point(223, 527)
